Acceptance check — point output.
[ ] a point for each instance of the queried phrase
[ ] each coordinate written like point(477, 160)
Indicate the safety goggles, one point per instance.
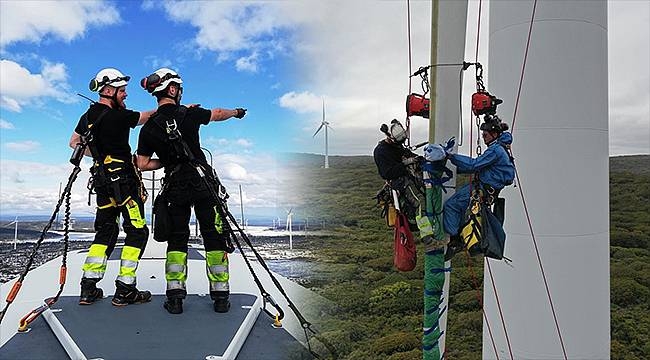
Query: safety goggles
point(154, 80)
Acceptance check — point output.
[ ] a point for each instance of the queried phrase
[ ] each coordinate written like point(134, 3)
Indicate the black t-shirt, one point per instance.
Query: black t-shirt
point(111, 136)
point(153, 138)
point(388, 158)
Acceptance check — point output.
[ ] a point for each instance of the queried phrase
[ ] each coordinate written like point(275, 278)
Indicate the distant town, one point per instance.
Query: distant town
point(17, 245)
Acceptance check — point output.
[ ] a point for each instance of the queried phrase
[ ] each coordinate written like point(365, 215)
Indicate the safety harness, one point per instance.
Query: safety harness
point(183, 155)
point(106, 170)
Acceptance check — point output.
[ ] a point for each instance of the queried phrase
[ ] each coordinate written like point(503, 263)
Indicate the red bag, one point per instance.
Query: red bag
point(405, 256)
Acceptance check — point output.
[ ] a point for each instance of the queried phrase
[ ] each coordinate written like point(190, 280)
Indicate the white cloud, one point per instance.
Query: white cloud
point(364, 70)
point(9, 103)
point(226, 145)
point(4, 124)
point(23, 146)
point(254, 31)
point(155, 62)
point(244, 143)
point(234, 172)
point(629, 82)
point(20, 87)
point(302, 103)
point(66, 20)
point(247, 63)
point(32, 188)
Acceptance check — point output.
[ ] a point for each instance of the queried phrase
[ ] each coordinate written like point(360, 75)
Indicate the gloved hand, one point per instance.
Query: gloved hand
point(451, 151)
point(410, 160)
point(240, 113)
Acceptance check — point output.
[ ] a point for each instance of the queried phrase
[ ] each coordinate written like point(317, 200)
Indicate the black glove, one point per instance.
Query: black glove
point(240, 113)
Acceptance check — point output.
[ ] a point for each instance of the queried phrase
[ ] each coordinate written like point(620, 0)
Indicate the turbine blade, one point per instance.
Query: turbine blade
point(320, 127)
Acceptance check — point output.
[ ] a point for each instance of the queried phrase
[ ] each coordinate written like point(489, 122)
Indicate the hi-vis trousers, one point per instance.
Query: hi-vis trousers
point(106, 228)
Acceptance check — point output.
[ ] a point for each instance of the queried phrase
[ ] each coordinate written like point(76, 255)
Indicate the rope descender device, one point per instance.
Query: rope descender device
point(483, 103)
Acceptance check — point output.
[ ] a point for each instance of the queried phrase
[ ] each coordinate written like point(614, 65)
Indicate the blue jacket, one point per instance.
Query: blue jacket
point(493, 166)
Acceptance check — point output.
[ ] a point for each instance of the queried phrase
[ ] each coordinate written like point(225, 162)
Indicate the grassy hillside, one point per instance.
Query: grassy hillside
point(379, 310)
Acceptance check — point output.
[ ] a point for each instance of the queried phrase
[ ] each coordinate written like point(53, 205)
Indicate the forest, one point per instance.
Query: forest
point(377, 312)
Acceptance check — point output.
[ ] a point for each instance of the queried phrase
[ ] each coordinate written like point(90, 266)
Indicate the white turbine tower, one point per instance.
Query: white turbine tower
point(289, 227)
point(15, 222)
point(326, 125)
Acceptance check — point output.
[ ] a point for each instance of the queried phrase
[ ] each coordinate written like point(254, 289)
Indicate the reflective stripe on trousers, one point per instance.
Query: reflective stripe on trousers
point(95, 265)
point(217, 270)
point(176, 270)
point(134, 214)
point(128, 264)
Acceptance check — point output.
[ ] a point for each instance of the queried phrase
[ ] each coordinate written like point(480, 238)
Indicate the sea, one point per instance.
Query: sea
point(284, 252)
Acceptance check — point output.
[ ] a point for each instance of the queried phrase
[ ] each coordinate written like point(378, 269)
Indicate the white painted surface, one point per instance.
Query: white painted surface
point(561, 150)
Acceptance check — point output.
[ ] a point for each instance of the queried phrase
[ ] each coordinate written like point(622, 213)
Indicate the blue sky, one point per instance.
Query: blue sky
point(279, 59)
point(51, 50)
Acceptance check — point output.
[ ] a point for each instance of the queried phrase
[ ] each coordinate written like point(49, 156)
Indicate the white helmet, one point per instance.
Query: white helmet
point(108, 76)
point(397, 131)
point(160, 79)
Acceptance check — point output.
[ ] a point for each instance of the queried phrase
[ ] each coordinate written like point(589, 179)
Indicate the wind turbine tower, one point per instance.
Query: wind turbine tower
point(289, 228)
point(326, 125)
point(15, 223)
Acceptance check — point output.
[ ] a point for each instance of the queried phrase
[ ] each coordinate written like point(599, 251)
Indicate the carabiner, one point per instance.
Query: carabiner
point(269, 299)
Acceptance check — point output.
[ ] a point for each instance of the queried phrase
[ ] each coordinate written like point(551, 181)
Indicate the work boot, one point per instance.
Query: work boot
point(455, 245)
point(129, 294)
point(174, 305)
point(89, 292)
point(221, 304)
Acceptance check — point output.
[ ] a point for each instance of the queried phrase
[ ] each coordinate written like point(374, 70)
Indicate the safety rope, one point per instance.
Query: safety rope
point(18, 284)
point(521, 191)
point(480, 87)
point(523, 65)
point(479, 297)
point(408, 31)
point(226, 214)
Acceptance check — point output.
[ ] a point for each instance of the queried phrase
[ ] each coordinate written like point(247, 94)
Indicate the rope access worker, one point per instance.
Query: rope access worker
point(105, 127)
point(396, 164)
point(493, 169)
point(173, 134)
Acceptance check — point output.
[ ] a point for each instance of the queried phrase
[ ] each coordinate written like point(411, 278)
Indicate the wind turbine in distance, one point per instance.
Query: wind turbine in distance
point(289, 227)
point(15, 222)
point(326, 125)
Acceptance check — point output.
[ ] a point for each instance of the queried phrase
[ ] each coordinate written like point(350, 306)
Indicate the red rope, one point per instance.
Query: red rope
point(478, 34)
point(408, 30)
point(496, 295)
point(479, 297)
point(523, 65)
point(521, 192)
point(541, 267)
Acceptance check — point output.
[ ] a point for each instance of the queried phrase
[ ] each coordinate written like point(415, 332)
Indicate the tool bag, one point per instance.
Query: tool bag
point(493, 238)
point(483, 232)
point(405, 256)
